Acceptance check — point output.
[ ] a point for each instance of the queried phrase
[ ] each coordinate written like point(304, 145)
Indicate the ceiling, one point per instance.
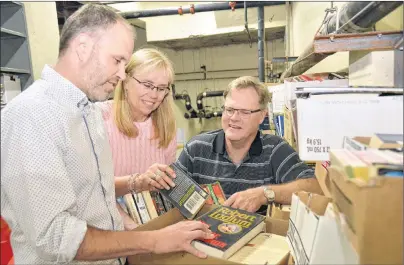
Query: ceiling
point(196, 42)
point(66, 8)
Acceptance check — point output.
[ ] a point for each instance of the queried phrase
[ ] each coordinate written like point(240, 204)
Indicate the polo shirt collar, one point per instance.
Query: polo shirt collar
point(219, 144)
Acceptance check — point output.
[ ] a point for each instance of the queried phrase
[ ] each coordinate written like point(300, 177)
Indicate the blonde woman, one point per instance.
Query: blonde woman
point(141, 126)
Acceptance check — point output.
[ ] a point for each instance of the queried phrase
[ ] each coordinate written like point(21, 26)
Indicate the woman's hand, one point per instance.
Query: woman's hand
point(158, 176)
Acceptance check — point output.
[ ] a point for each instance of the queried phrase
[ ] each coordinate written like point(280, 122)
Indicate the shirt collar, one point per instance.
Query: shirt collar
point(219, 144)
point(62, 89)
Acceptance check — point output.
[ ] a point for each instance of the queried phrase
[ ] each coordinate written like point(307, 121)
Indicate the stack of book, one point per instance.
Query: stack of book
point(144, 206)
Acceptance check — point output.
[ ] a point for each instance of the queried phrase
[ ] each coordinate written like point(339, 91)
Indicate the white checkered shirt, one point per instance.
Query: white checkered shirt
point(56, 172)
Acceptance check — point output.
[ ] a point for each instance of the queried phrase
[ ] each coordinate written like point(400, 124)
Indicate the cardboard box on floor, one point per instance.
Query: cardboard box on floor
point(314, 236)
point(173, 216)
point(371, 215)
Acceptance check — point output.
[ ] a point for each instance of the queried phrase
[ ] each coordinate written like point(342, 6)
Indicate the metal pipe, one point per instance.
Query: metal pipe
point(363, 22)
point(184, 97)
point(196, 9)
point(261, 40)
point(216, 71)
point(207, 94)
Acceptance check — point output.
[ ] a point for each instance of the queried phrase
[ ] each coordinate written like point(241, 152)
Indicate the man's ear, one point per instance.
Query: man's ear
point(263, 115)
point(83, 45)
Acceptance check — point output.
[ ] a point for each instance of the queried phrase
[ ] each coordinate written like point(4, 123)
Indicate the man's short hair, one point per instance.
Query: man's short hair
point(88, 18)
point(250, 82)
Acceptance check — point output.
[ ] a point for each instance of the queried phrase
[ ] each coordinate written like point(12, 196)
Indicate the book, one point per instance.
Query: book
point(233, 228)
point(265, 248)
point(187, 195)
point(151, 208)
point(386, 141)
point(216, 193)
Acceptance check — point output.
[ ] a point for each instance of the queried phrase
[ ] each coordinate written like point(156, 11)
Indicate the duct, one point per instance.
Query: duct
point(187, 99)
point(213, 114)
point(207, 94)
point(261, 41)
point(354, 17)
point(196, 8)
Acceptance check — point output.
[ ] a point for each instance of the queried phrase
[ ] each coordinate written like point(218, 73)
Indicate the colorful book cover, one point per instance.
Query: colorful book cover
point(233, 228)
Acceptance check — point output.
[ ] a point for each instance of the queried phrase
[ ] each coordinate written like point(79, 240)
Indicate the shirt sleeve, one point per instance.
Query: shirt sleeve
point(287, 165)
point(37, 186)
point(170, 151)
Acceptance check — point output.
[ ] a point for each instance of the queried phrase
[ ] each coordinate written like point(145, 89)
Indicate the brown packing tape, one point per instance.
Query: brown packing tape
point(374, 214)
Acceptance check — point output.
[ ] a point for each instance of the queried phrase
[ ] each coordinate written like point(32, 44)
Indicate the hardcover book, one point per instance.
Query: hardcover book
point(187, 195)
point(233, 228)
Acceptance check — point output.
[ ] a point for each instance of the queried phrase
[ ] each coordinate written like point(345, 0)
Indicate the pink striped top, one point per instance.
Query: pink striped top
point(135, 155)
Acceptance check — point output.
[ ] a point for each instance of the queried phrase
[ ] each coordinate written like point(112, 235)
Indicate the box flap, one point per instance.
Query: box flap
point(276, 226)
point(315, 202)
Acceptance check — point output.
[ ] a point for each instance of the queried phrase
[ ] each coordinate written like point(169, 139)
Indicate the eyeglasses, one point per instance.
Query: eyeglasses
point(243, 113)
point(161, 91)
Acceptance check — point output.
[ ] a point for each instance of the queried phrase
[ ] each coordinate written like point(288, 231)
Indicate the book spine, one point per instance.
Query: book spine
point(150, 205)
point(212, 193)
point(158, 203)
point(141, 206)
point(130, 203)
point(217, 189)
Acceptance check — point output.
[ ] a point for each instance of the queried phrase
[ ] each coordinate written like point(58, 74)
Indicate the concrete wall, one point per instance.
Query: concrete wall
point(43, 34)
point(227, 62)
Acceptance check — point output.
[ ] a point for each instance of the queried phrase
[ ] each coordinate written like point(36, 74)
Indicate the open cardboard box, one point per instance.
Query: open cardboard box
point(276, 226)
point(371, 215)
point(314, 236)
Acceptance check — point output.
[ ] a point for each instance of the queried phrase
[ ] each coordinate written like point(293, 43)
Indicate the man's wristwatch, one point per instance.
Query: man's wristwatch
point(269, 194)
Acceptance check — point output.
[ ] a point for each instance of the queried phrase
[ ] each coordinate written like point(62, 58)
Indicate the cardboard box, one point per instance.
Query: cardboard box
point(371, 215)
point(314, 235)
point(321, 173)
point(324, 120)
point(376, 68)
point(276, 226)
point(276, 212)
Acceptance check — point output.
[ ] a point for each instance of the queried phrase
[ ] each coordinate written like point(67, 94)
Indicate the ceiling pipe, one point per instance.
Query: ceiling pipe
point(196, 9)
point(354, 17)
point(261, 42)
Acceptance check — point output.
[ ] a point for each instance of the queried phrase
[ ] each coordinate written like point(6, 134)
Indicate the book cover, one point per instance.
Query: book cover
point(216, 193)
point(233, 228)
point(187, 195)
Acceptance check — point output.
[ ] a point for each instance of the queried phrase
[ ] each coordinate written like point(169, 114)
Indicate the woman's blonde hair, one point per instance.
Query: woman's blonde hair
point(163, 117)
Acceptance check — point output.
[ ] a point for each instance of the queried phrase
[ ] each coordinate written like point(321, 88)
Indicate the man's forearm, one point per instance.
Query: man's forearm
point(102, 245)
point(283, 192)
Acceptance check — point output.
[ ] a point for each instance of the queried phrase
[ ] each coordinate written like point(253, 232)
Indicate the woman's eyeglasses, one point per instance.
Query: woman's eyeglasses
point(161, 90)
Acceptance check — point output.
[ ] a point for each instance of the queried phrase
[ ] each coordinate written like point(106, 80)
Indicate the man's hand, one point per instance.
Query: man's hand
point(158, 176)
point(249, 200)
point(178, 237)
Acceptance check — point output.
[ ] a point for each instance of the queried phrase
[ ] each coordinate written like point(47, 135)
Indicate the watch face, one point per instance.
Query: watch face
point(269, 194)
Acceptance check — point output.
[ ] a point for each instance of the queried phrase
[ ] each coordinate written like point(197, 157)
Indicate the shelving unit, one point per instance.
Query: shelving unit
point(15, 54)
